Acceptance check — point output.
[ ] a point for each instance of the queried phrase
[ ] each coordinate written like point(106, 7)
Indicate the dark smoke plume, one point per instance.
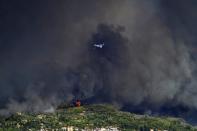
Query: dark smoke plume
point(146, 65)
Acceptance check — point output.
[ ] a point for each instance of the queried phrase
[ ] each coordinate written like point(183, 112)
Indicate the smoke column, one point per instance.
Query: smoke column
point(146, 64)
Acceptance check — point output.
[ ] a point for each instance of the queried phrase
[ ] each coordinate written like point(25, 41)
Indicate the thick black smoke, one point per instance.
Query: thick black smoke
point(136, 54)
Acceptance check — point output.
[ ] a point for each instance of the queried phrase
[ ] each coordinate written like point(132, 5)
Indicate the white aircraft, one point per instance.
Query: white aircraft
point(99, 45)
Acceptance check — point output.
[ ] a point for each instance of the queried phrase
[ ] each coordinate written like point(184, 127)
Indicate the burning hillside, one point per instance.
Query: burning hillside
point(90, 118)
